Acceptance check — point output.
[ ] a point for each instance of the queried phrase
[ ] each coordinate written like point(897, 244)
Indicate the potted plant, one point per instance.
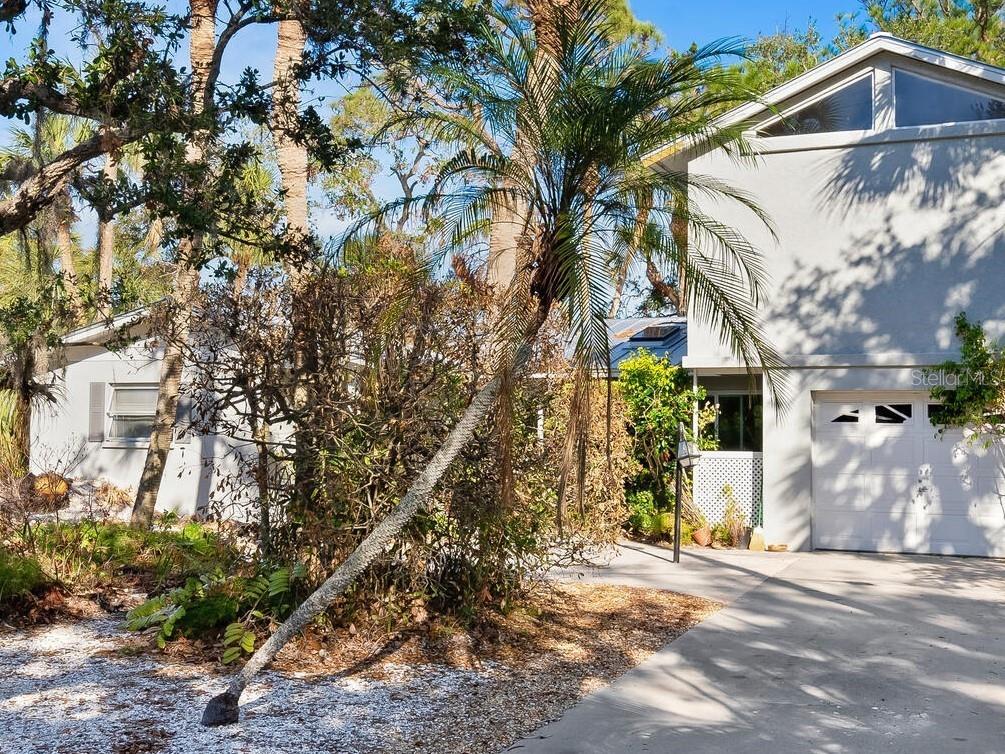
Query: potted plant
point(702, 535)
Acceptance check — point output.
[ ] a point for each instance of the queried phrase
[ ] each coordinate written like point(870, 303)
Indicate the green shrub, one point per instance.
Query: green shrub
point(82, 553)
point(18, 576)
point(641, 509)
point(204, 606)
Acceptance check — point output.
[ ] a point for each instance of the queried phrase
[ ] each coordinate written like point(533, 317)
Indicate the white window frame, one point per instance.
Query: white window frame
point(114, 441)
point(870, 73)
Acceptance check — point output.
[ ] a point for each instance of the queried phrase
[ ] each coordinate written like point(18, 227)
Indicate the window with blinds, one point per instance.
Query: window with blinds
point(132, 412)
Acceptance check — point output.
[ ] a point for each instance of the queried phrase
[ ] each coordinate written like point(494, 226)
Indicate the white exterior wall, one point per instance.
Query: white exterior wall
point(788, 443)
point(882, 239)
point(60, 433)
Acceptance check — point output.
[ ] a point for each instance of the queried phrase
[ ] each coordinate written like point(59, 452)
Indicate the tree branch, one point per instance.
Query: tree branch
point(39, 191)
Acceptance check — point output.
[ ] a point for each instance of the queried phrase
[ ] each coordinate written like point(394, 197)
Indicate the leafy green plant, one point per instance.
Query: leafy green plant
point(641, 509)
point(659, 397)
point(19, 576)
point(203, 606)
point(721, 534)
point(11, 440)
point(972, 389)
point(87, 553)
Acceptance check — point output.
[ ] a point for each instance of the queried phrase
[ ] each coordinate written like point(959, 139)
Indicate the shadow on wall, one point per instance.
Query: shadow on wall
point(930, 243)
point(927, 240)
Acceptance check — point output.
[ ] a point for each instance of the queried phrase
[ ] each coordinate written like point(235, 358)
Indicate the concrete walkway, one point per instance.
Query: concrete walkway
point(815, 652)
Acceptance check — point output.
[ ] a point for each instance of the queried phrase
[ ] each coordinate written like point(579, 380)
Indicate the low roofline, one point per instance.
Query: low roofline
point(879, 42)
point(102, 330)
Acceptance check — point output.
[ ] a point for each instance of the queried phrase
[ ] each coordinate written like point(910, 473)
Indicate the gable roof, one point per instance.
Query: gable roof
point(104, 329)
point(879, 42)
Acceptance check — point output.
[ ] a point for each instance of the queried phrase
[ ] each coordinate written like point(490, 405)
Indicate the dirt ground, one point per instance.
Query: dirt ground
point(88, 686)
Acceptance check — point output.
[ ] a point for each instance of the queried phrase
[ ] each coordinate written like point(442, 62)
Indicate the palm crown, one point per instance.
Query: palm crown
point(560, 130)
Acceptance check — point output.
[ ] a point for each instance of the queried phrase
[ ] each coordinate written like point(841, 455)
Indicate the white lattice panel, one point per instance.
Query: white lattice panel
point(744, 472)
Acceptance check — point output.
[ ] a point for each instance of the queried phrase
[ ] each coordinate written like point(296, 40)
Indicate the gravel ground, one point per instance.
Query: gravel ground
point(82, 687)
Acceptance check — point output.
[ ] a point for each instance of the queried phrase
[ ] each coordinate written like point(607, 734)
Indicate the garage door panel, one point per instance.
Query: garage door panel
point(839, 491)
point(841, 458)
point(890, 490)
point(888, 483)
point(948, 454)
point(989, 507)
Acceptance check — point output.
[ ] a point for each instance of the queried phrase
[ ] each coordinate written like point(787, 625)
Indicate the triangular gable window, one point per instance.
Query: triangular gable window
point(847, 109)
point(920, 101)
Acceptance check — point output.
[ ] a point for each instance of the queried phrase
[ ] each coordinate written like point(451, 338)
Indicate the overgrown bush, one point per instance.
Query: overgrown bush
point(345, 401)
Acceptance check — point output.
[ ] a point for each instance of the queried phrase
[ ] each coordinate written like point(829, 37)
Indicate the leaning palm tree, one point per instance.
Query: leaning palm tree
point(585, 114)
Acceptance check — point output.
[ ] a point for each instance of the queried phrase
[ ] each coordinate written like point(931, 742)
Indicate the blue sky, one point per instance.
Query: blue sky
point(704, 21)
point(681, 23)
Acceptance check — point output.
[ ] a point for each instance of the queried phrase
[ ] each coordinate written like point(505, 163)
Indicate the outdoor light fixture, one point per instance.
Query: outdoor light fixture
point(688, 456)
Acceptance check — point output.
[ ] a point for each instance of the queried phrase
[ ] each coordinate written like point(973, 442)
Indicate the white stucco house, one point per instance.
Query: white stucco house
point(883, 172)
point(98, 427)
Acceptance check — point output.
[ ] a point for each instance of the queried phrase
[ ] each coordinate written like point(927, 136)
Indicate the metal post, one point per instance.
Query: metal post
point(677, 494)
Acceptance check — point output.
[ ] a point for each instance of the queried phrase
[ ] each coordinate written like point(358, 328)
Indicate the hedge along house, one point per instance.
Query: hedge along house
point(883, 172)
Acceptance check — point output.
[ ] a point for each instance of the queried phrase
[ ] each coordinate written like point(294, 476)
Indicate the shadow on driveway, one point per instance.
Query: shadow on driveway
point(816, 652)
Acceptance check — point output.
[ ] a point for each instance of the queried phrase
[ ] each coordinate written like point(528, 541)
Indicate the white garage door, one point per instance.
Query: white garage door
point(883, 481)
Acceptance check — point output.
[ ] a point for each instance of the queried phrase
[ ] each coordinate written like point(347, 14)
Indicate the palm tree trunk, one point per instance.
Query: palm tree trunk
point(509, 230)
point(106, 243)
point(201, 49)
point(67, 264)
point(678, 230)
point(223, 709)
point(291, 158)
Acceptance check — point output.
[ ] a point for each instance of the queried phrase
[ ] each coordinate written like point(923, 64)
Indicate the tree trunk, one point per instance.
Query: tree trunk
point(678, 230)
point(41, 189)
point(510, 228)
point(67, 264)
point(291, 158)
point(106, 243)
point(172, 365)
point(223, 709)
point(202, 48)
point(262, 482)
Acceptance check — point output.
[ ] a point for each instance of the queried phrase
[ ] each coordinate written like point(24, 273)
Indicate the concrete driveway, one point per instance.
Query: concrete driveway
point(815, 652)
